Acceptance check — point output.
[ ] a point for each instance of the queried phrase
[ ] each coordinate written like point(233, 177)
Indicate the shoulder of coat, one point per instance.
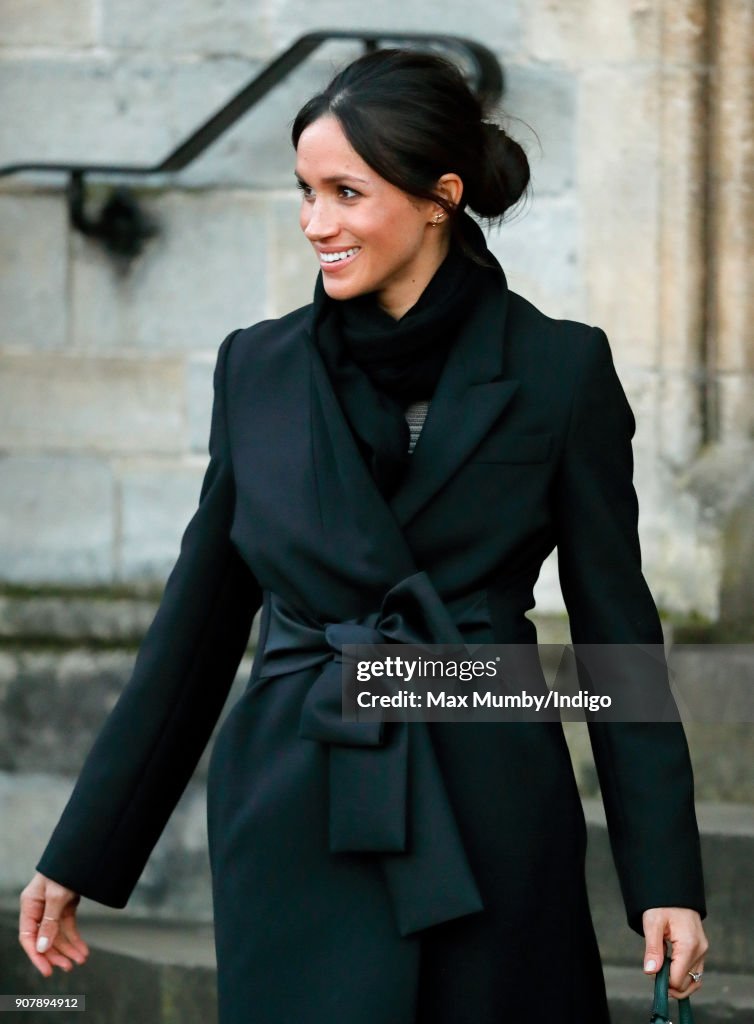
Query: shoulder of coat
point(529, 328)
point(273, 336)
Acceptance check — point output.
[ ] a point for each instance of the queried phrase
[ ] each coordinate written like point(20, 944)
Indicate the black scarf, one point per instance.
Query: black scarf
point(379, 365)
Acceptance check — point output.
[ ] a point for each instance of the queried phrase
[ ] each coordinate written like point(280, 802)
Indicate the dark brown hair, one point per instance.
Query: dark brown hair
point(412, 117)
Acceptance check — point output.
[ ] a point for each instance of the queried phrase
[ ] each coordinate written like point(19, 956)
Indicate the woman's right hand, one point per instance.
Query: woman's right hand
point(47, 926)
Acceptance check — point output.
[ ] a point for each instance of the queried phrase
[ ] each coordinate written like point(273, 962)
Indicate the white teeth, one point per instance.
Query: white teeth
point(333, 257)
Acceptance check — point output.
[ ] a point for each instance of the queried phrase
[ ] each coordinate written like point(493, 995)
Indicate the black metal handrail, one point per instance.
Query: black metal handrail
point(123, 227)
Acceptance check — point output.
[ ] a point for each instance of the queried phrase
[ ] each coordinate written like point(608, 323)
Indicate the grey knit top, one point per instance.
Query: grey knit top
point(415, 414)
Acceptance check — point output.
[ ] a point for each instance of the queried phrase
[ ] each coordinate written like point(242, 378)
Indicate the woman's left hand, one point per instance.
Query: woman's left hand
point(683, 928)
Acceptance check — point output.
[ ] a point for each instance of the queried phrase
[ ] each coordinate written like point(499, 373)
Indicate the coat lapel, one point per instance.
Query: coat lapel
point(355, 517)
point(468, 400)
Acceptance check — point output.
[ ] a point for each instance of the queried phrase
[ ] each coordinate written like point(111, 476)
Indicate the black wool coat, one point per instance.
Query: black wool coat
point(429, 873)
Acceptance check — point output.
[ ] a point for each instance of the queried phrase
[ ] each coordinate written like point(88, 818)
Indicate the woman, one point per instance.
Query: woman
point(429, 872)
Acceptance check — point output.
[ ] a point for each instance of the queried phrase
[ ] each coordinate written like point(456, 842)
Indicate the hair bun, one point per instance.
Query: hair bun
point(503, 173)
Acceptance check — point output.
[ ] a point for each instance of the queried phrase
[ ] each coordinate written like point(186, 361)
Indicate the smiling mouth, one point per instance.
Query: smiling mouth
point(335, 260)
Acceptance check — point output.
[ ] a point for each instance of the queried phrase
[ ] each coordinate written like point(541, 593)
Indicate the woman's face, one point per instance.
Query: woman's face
point(369, 236)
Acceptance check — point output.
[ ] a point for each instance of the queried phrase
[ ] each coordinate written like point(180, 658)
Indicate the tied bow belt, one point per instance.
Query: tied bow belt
point(387, 794)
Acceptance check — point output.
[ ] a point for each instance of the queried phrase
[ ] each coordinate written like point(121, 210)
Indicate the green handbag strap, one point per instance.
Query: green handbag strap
point(660, 1004)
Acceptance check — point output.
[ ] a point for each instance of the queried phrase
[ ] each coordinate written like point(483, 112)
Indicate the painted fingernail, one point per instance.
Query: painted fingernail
point(42, 943)
point(650, 965)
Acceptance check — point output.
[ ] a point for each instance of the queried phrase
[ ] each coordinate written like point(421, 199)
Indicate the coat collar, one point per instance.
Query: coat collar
point(471, 395)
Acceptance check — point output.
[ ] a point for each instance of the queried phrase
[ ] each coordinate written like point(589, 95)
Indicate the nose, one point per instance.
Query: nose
point(319, 222)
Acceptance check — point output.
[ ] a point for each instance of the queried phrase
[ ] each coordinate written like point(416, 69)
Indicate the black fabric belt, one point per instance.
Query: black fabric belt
point(387, 793)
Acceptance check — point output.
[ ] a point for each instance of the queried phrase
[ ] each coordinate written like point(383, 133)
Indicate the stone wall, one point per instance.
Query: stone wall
point(636, 115)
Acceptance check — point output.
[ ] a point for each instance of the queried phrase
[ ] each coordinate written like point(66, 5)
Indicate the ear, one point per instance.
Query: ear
point(451, 187)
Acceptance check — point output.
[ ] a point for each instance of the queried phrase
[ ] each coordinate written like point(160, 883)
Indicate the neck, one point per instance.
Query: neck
point(396, 300)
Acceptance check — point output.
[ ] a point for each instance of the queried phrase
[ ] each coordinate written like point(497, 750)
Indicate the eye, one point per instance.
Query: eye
point(304, 189)
point(345, 189)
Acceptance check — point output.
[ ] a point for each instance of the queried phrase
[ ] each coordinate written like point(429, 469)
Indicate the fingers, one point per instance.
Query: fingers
point(55, 901)
point(693, 986)
point(689, 947)
point(64, 944)
point(654, 940)
point(47, 929)
point(32, 911)
point(687, 985)
point(71, 931)
point(27, 940)
point(56, 958)
point(683, 928)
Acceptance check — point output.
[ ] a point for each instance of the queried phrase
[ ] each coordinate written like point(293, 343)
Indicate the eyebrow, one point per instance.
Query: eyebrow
point(332, 179)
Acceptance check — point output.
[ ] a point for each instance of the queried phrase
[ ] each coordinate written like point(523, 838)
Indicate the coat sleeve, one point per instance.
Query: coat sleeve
point(644, 768)
point(152, 740)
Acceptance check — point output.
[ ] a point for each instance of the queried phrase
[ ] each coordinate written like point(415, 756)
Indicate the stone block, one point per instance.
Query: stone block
point(653, 468)
point(499, 26)
point(41, 23)
point(720, 479)
point(188, 26)
point(56, 519)
point(199, 373)
point(8, 668)
point(619, 170)
point(731, 206)
point(202, 277)
point(737, 590)
point(99, 617)
point(30, 804)
point(33, 270)
point(55, 700)
point(538, 250)
point(540, 104)
point(293, 266)
point(65, 402)
point(684, 34)
point(722, 483)
point(109, 108)
point(681, 557)
point(723, 755)
point(641, 386)
point(680, 551)
point(679, 421)
point(591, 31)
point(157, 500)
point(735, 392)
point(683, 272)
